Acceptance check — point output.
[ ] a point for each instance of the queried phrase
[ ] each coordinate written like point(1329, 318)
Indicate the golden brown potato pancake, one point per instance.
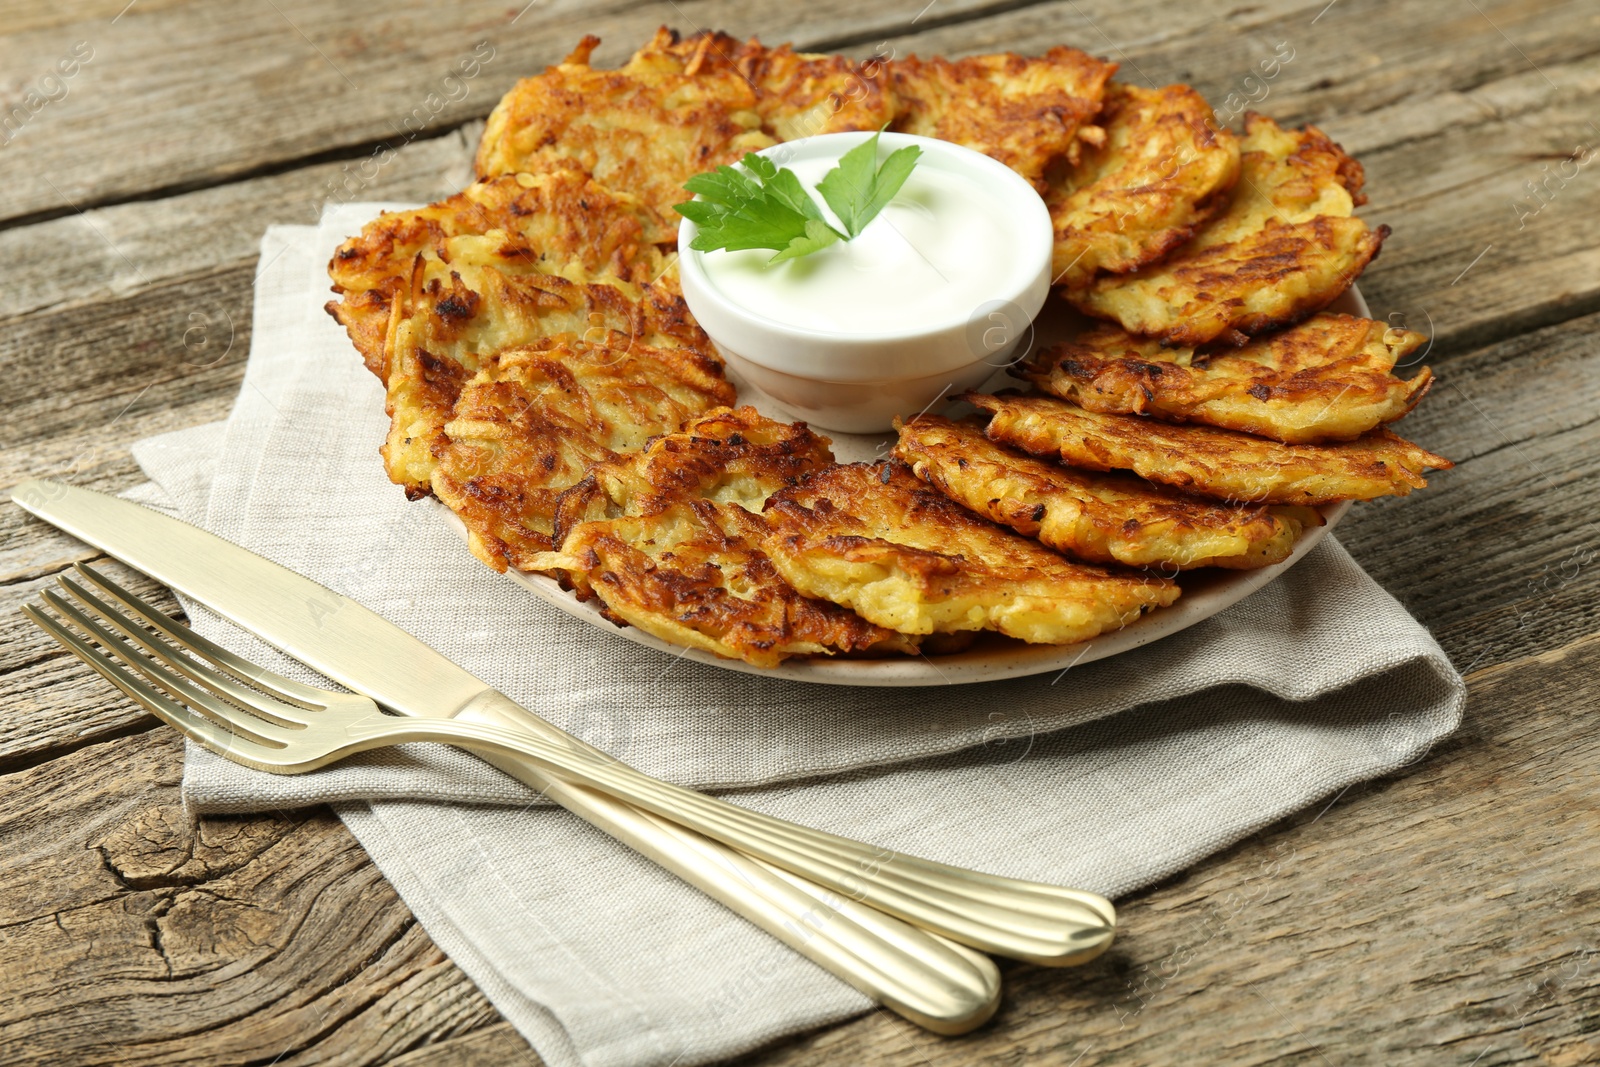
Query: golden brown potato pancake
point(726, 456)
point(1328, 379)
point(692, 576)
point(1102, 518)
point(802, 94)
point(1164, 168)
point(679, 106)
point(873, 538)
point(457, 315)
point(668, 540)
point(1025, 111)
point(1287, 245)
point(797, 94)
point(428, 294)
point(533, 420)
point(561, 222)
point(645, 127)
point(1221, 464)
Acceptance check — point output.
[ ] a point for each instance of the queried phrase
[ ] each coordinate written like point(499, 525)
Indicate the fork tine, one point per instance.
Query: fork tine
point(118, 649)
point(268, 707)
point(241, 668)
point(197, 728)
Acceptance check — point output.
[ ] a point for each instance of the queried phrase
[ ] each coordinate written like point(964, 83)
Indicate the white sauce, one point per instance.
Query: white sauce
point(942, 248)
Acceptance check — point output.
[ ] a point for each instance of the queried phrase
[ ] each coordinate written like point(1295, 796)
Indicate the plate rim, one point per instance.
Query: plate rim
point(975, 665)
point(959, 668)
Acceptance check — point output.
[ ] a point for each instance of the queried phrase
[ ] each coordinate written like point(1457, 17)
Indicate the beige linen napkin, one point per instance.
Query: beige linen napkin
point(1107, 777)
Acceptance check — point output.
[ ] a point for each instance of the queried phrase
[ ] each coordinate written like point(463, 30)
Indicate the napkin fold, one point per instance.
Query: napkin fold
point(1106, 777)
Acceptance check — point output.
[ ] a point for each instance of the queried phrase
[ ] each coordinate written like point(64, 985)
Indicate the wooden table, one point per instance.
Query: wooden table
point(1448, 914)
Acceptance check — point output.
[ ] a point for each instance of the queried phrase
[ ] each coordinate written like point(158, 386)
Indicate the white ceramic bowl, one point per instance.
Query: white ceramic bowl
point(858, 383)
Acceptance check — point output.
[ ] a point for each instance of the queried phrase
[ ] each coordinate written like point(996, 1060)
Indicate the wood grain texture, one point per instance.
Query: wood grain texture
point(1447, 904)
point(1500, 557)
point(135, 936)
point(181, 95)
point(1444, 915)
point(52, 704)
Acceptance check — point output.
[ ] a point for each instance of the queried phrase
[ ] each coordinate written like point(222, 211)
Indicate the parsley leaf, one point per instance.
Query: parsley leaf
point(818, 235)
point(760, 206)
point(765, 206)
point(858, 188)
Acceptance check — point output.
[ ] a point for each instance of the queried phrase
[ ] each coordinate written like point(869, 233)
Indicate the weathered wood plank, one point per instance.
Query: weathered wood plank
point(1445, 916)
point(496, 1045)
point(233, 939)
point(135, 937)
point(82, 259)
point(183, 95)
point(125, 298)
point(1500, 556)
point(52, 703)
point(1348, 58)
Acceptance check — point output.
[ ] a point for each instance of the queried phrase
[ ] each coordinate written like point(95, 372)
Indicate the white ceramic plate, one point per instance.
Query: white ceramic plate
point(991, 657)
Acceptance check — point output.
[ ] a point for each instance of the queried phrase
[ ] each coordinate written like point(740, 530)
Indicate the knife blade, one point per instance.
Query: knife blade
point(936, 983)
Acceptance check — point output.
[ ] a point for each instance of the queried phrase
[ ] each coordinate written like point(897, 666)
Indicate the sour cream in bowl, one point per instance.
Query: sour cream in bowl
point(931, 297)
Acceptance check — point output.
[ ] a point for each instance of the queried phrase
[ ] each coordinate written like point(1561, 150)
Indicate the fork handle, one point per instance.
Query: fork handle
point(941, 986)
point(1024, 920)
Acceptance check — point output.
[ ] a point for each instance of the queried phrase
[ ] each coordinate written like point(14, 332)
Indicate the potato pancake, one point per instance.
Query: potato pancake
point(726, 456)
point(1165, 168)
point(1025, 111)
point(561, 222)
point(533, 420)
point(1287, 245)
point(646, 127)
point(798, 94)
point(1222, 464)
point(457, 316)
point(1102, 518)
point(801, 94)
point(429, 294)
point(873, 538)
point(668, 540)
point(1328, 379)
point(689, 576)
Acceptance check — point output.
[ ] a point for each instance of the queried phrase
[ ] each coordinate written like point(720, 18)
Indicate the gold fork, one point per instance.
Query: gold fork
point(263, 720)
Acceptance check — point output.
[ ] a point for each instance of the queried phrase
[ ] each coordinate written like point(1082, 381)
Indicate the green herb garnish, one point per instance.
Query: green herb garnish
point(765, 206)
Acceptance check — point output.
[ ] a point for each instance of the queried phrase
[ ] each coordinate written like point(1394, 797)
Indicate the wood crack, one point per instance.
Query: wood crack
point(152, 925)
point(342, 153)
point(1509, 443)
point(28, 760)
point(925, 23)
point(35, 574)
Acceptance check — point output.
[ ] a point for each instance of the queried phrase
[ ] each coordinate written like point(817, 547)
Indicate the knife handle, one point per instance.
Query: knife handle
point(942, 986)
